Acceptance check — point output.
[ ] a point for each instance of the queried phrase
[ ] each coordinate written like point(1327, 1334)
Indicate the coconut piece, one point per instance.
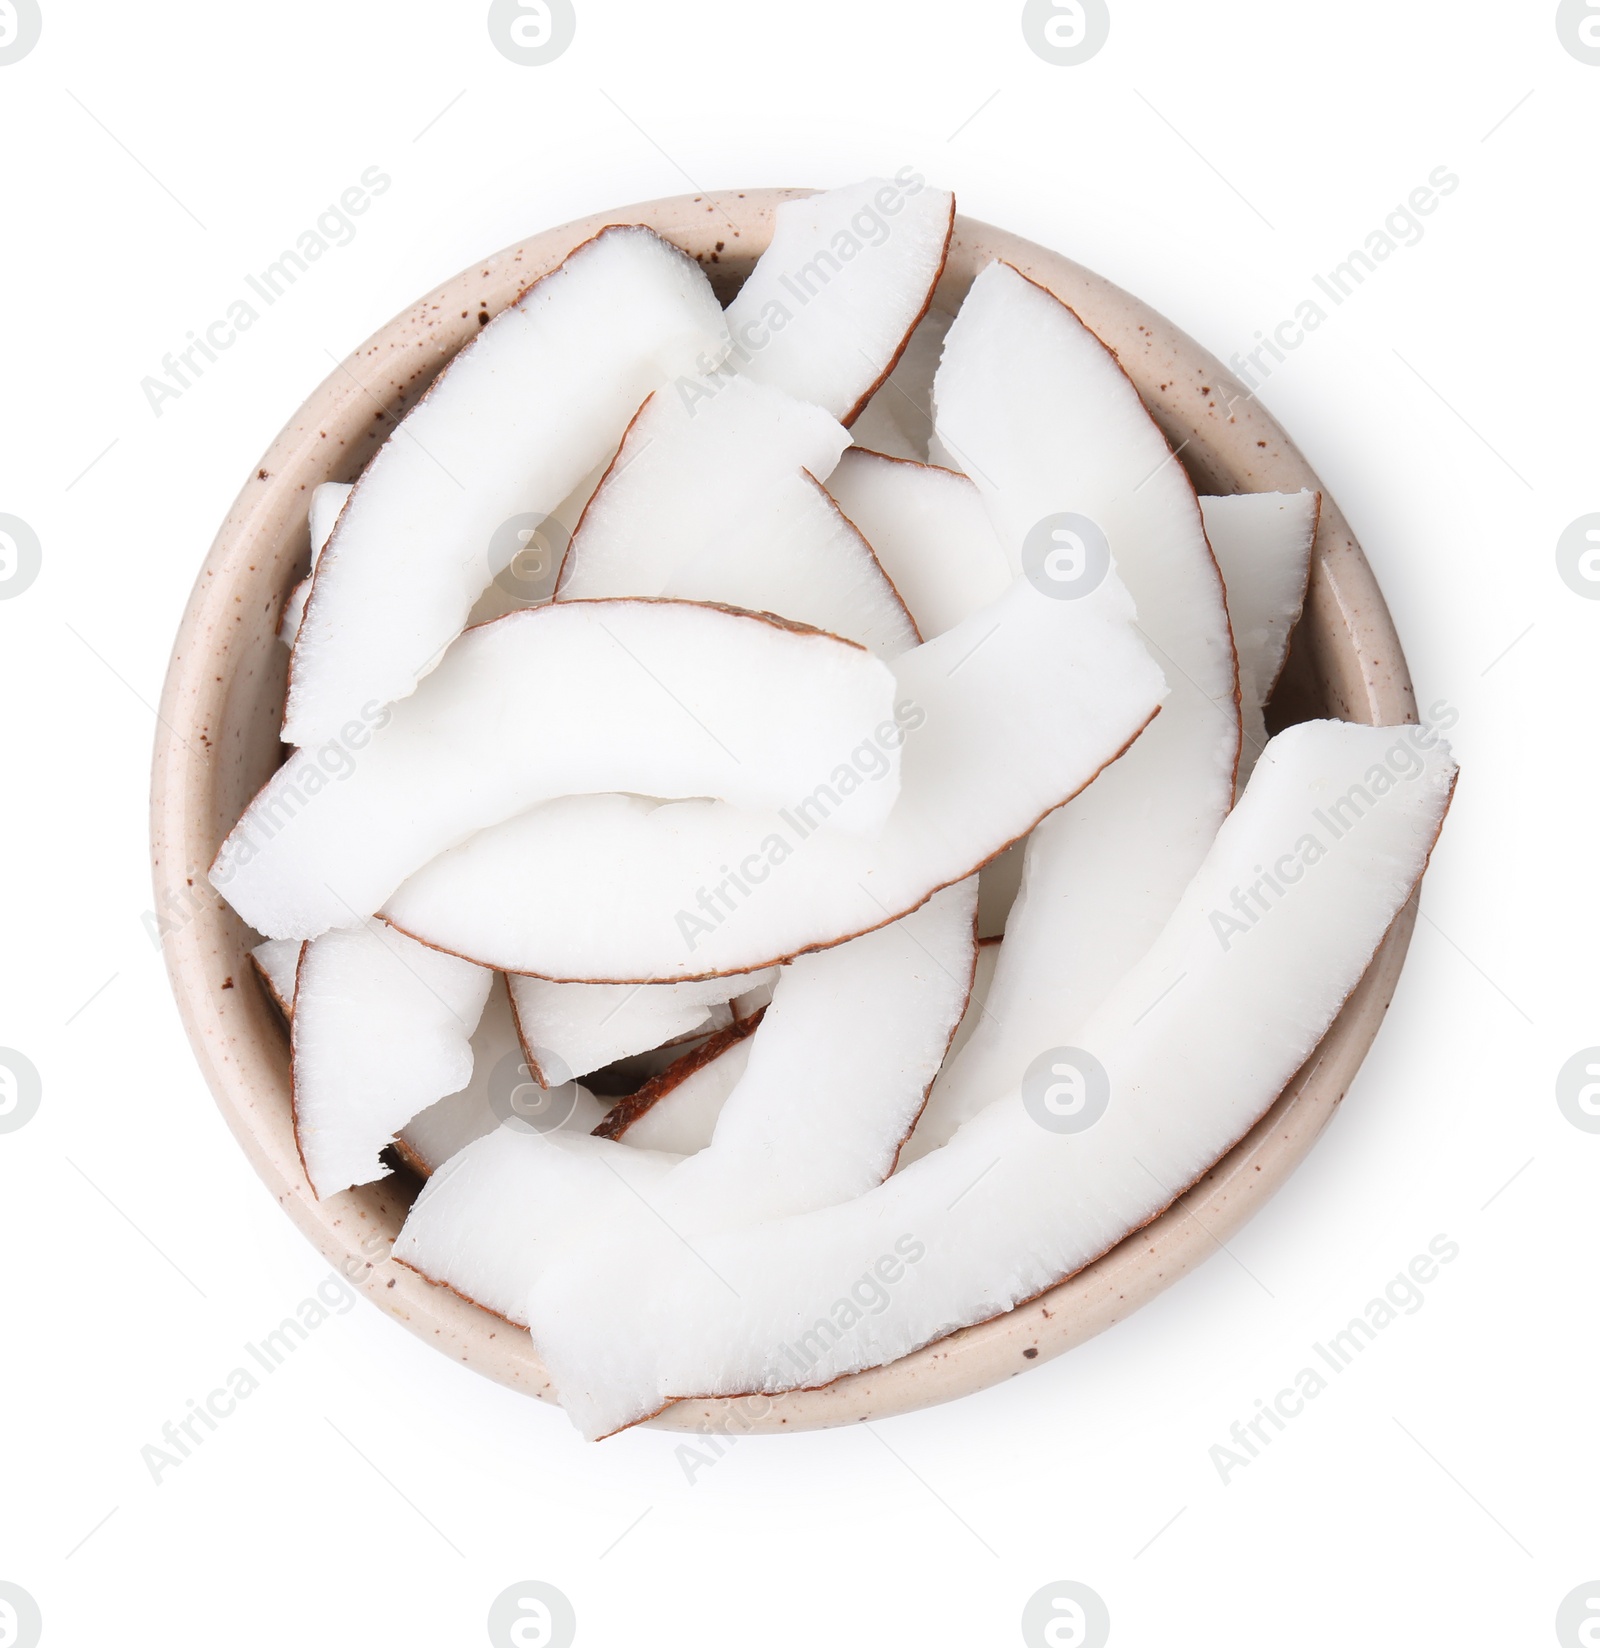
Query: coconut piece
point(570, 1029)
point(685, 1070)
point(277, 961)
point(929, 530)
point(832, 301)
point(1262, 542)
point(1004, 717)
point(898, 420)
point(653, 697)
point(713, 496)
point(326, 502)
point(510, 427)
point(381, 1031)
point(1086, 1145)
point(677, 1111)
point(1077, 476)
point(495, 1095)
point(837, 1072)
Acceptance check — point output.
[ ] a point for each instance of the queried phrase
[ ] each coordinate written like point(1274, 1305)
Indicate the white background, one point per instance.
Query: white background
point(1442, 1489)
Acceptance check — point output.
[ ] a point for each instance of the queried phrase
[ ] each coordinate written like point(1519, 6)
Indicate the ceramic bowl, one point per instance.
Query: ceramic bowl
point(218, 742)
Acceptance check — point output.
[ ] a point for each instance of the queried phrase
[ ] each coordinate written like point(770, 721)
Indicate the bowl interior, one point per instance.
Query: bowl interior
point(218, 742)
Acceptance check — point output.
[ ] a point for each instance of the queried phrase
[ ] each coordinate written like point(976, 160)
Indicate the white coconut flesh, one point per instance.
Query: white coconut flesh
point(1262, 542)
point(898, 420)
point(656, 698)
point(1195, 1043)
point(511, 426)
point(827, 310)
point(326, 502)
point(571, 1029)
point(802, 1128)
point(717, 498)
point(382, 1029)
point(930, 532)
point(1003, 718)
point(622, 672)
point(1077, 477)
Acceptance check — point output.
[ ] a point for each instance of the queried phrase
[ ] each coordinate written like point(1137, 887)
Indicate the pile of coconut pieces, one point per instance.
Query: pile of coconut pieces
point(856, 889)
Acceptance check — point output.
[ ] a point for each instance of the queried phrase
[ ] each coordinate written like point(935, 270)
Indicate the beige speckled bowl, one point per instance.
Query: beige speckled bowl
point(218, 742)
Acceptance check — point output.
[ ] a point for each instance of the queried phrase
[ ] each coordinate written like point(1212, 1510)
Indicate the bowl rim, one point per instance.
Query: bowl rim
point(1347, 661)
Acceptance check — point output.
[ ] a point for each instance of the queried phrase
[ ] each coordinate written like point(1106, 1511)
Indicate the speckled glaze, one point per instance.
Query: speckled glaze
point(218, 742)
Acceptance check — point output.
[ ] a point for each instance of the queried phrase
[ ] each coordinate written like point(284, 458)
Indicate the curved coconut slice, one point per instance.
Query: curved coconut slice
point(930, 532)
point(277, 961)
point(898, 420)
point(571, 1029)
point(491, 1098)
point(326, 502)
point(1004, 718)
point(714, 499)
point(510, 427)
point(656, 698)
point(1072, 466)
point(677, 1111)
point(835, 1078)
point(380, 1031)
point(848, 274)
point(1089, 1143)
point(1262, 541)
